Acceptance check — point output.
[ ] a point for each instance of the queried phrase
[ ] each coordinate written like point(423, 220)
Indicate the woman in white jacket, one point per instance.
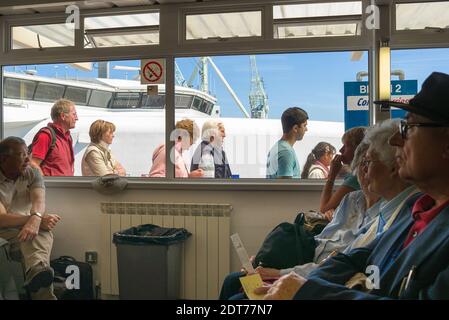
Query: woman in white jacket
point(318, 161)
point(98, 159)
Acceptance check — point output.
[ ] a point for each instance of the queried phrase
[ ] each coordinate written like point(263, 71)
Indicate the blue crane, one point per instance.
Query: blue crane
point(258, 100)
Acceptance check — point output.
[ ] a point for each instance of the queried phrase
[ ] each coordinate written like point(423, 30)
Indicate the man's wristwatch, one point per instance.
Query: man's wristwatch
point(37, 214)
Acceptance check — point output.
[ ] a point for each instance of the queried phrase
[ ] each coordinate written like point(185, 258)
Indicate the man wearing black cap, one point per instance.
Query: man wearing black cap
point(411, 259)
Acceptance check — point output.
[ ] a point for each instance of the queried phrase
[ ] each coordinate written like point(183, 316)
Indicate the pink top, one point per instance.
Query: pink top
point(158, 167)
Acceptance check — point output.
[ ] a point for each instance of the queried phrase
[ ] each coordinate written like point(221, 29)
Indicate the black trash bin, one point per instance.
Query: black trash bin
point(149, 261)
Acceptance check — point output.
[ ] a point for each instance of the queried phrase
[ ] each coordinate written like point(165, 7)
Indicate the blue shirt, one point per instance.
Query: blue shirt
point(386, 210)
point(349, 217)
point(282, 161)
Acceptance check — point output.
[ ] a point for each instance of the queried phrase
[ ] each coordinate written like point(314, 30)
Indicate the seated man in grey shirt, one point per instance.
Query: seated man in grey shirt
point(22, 219)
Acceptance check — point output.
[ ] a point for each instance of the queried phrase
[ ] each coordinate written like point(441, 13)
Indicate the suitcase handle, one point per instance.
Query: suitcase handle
point(66, 258)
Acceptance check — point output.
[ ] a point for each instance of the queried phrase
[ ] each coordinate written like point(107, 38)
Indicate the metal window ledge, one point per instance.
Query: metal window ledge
point(184, 184)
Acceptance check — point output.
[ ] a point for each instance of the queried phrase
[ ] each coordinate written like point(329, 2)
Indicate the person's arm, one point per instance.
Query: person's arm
point(96, 164)
point(40, 148)
point(196, 158)
point(37, 196)
point(48, 221)
point(36, 163)
point(9, 220)
point(119, 169)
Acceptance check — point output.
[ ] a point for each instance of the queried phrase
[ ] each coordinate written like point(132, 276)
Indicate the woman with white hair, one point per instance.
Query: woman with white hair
point(209, 155)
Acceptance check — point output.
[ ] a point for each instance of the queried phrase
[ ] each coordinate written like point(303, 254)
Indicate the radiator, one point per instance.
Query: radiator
point(205, 255)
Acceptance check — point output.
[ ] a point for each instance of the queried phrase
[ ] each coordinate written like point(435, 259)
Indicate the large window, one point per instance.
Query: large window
point(410, 68)
point(30, 92)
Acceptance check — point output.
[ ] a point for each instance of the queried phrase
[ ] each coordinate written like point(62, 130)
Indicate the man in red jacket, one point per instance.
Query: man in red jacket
point(52, 148)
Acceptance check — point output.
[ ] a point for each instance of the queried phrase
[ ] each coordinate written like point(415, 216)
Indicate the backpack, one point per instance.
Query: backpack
point(286, 246)
point(49, 130)
point(86, 287)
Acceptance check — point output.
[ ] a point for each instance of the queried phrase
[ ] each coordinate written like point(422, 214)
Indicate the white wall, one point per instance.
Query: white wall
point(254, 214)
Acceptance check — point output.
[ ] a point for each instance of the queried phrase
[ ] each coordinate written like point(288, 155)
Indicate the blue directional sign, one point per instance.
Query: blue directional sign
point(357, 100)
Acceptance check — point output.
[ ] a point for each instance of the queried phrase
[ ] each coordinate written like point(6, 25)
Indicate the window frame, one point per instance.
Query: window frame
point(172, 46)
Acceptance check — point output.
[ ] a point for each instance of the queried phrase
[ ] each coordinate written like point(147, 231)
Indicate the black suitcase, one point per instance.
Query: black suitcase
point(86, 288)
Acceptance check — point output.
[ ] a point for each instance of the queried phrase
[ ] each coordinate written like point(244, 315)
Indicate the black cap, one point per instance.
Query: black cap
point(431, 102)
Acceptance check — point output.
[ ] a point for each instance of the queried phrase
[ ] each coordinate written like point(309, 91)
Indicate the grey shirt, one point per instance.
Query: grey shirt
point(16, 195)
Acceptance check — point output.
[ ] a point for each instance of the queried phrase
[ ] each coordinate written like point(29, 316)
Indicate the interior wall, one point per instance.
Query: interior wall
point(254, 214)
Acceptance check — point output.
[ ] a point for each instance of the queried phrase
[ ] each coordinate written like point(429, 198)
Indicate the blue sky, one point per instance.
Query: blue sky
point(312, 81)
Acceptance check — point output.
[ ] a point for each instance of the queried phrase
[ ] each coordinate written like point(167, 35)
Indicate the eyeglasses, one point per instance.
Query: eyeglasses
point(404, 126)
point(366, 162)
point(22, 155)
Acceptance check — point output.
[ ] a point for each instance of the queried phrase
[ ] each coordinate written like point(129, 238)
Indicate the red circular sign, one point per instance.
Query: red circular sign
point(152, 71)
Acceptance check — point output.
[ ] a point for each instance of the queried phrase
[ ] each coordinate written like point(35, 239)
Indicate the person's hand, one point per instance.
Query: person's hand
point(329, 214)
point(336, 166)
point(29, 229)
point(283, 289)
point(268, 272)
point(198, 173)
point(49, 221)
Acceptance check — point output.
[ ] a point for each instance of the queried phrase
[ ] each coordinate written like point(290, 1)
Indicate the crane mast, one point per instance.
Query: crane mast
point(258, 100)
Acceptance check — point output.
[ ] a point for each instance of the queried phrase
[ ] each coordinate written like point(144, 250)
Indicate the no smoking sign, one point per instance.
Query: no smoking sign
point(152, 71)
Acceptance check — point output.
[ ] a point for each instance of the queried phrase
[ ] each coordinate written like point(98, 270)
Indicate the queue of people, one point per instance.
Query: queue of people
point(53, 154)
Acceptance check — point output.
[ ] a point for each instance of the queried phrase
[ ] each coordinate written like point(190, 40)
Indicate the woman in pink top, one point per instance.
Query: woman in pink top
point(187, 132)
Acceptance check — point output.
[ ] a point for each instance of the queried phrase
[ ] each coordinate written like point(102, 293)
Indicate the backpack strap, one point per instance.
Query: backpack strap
point(49, 130)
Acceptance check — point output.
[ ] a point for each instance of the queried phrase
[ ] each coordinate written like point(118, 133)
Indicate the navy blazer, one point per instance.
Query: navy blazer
point(429, 252)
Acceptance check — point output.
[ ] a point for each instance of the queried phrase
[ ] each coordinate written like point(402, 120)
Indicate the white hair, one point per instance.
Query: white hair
point(377, 137)
point(210, 129)
point(358, 156)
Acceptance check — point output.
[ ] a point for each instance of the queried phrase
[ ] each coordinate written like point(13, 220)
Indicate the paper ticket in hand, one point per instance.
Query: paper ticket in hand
point(251, 282)
point(242, 253)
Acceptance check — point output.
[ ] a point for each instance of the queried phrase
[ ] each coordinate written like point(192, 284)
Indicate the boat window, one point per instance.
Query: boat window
point(19, 89)
point(43, 36)
point(100, 98)
point(48, 92)
point(183, 102)
point(196, 103)
point(205, 107)
point(153, 102)
point(126, 100)
point(77, 95)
